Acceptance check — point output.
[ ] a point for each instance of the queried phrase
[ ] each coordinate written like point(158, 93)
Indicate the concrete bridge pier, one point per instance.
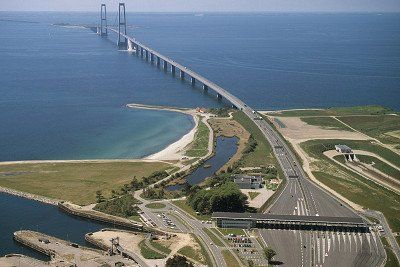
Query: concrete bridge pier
point(219, 96)
point(165, 65)
point(173, 70)
point(151, 57)
point(193, 81)
point(182, 74)
point(141, 51)
point(158, 62)
point(147, 55)
point(205, 88)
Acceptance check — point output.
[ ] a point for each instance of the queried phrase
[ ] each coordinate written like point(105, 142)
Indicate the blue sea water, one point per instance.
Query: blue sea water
point(63, 90)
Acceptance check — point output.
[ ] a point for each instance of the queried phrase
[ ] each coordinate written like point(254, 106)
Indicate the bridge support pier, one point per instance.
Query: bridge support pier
point(205, 87)
point(147, 55)
point(192, 81)
point(165, 65)
point(103, 21)
point(173, 69)
point(151, 57)
point(182, 74)
point(219, 96)
point(158, 62)
point(122, 41)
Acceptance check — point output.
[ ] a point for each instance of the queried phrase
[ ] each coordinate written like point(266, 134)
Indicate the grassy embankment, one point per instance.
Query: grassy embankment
point(385, 128)
point(391, 260)
point(380, 165)
point(229, 258)
point(213, 237)
point(197, 254)
point(199, 147)
point(335, 111)
point(75, 182)
point(352, 186)
point(184, 206)
point(148, 253)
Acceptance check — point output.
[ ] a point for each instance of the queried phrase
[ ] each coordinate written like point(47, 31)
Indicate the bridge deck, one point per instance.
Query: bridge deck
point(228, 96)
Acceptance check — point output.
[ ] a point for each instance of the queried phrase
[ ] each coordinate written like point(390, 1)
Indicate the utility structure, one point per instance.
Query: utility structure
point(103, 20)
point(122, 41)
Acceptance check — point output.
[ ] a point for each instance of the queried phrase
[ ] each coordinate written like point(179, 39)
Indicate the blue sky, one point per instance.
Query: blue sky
point(208, 5)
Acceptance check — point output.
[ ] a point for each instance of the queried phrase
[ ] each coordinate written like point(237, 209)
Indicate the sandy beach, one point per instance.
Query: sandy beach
point(174, 151)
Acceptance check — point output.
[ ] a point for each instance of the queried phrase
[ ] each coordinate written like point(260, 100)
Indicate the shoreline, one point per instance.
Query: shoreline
point(173, 151)
point(29, 196)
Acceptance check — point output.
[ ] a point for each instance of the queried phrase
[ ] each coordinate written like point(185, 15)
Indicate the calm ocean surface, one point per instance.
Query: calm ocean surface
point(63, 90)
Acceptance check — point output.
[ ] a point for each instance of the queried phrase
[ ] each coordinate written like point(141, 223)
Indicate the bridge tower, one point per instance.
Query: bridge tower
point(122, 41)
point(103, 20)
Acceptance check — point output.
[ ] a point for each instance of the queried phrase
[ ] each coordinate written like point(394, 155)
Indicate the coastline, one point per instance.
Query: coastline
point(175, 150)
point(29, 196)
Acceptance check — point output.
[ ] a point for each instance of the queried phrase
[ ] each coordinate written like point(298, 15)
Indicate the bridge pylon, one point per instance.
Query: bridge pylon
point(103, 20)
point(122, 41)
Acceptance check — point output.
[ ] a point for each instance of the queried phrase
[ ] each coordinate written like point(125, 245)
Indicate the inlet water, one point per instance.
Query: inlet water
point(18, 213)
point(224, 150)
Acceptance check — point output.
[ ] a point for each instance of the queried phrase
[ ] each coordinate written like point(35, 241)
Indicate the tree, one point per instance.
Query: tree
point(269, 254)
point(251, 263)
point(178, 261)
point(99, 196)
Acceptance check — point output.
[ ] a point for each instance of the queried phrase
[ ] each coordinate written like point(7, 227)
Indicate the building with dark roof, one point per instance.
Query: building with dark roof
point(248, 182)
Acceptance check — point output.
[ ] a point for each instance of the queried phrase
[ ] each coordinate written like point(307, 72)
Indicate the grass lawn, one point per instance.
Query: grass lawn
point(380, 165)
point(326, 122)
point(336, 111)
point(199, 147)
point(262, 154)
point(148, 253)
point(75, 182)
point(182, 204)
point(352, 186)
point(155, 205)
point(381, 127)
point(229, 259)
point(213, 237)
point(135, 218)
point(235, 231)
point(391, 260)
point(253, 195)
point(160, 247)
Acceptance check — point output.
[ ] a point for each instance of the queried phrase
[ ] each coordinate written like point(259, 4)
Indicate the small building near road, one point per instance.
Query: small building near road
point(347, 152)
point(248, 182)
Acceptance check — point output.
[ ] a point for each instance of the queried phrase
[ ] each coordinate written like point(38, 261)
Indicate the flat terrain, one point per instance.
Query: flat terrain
point(298, 129)
point(385, 128)
point(336, 111)
point(75, 182)
point(326, 123)
point(199, 147)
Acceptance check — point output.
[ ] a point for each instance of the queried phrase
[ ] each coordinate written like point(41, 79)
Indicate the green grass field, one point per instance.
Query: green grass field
point(253, 195)
point(326, 122)
point(75, 182)
point(391, 260)
point(184, 206)
point(229, 259)
point(382, 127)
point(160, 247)
point(148, 253)
point(235, 231)
point(213, 237)
point(336, 111)
point(199, 147)
point(350, 185)
point(262, 154)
